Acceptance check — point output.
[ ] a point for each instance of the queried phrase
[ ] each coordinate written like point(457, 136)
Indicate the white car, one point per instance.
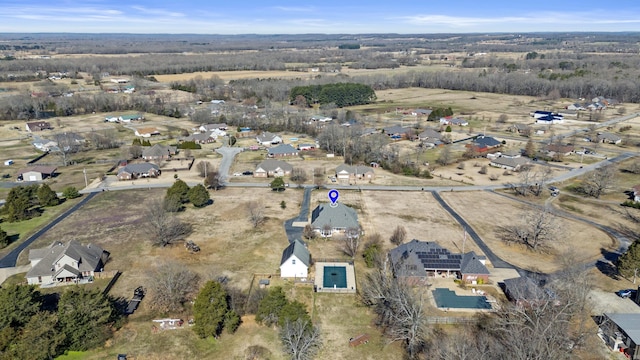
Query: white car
point(237, 174)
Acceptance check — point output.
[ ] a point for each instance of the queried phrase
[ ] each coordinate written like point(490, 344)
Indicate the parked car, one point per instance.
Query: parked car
point(237, 174)
point(625, 293)
point(247, 173)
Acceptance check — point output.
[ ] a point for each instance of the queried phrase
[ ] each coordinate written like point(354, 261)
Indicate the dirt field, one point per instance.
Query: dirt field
point(486, 212)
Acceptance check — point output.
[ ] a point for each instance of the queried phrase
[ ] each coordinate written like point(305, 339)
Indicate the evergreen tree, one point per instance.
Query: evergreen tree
point(210, 310)
point(46, 196)
point(629, 262)
point(4, 238)
point(270, 307)
point(277, 183)
point(85, 318)
point(199, 196)
point(41, 338)
point(18, 203)
point(70, 192)
point(530, 149)
point(293, 311)
point(179, 189)
point(17, 305)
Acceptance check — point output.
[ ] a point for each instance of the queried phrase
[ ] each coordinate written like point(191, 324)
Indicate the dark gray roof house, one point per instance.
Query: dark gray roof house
point(429, 133)
point(299, 250)
point(61, 262)
point(133, 171)
point(417, 259)
point(486, 142)
point(272, 167)
point(282, 150)
point(158, 151)
point(330, 218)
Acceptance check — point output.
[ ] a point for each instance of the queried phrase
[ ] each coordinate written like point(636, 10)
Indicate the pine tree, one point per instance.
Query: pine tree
point(180, 189)
point(629, 262)
point(46, 196)
point(210, 310)
point(199, 196)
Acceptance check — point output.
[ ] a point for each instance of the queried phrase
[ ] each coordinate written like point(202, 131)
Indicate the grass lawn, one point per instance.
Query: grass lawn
point(22, 229)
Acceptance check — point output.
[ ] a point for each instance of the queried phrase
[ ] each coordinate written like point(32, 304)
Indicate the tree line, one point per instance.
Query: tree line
point(340, 94)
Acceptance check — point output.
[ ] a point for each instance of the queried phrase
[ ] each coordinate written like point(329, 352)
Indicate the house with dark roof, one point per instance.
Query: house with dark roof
point(421, 112)
point(272, 168)
point(397, 132)
point(621, 333)
point(202, 138)
point(62, 263)
point(295, 260)
point(158, 152)
point(328, 219)
point(526, 292)
point(417, 260)
point(282, 150)
point(482, 144)
point(136, 171)
point(523, 129)
point(38, 126)
point(429, 133)
point(348, 173)
point(564, 150)
point(36, 173)
point(609, 138)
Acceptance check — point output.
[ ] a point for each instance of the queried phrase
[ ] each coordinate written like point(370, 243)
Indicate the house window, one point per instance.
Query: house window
point(293, 261)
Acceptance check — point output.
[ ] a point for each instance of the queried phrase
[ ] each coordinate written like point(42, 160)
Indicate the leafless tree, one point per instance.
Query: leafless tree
point(298, 175)
point(399, 235)
point(308, 232)
point(256, 211)
point(170, 285)
point(213, 179)
point(68, 143)
point(164, 228)
point(446, 157)
point(135, 151)
point(599, 181)
point(502, 118)
point(203, 168)
point(350, 243)
point(402, 313)
point(537, 230)
point(301, 339)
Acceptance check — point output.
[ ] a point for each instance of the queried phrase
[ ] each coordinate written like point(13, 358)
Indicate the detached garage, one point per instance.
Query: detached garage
point(36, 173)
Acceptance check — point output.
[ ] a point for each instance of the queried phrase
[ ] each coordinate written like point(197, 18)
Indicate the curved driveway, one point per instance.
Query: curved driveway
point(10, 259)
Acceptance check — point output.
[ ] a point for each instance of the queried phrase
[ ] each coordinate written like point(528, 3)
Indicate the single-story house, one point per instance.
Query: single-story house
point(45, 145)
point(327, 219)
point(147, 132)
point(565, 150)
point(282, 150)
point(416, 260)
point(158, 152)
point(112, 119)
point(484, 143)
point(212, 127)
point(609, 138)
point(509, 163)
point(350, 173)
point(36, 173)
point(306, 147)
point(130, 117)
point(272, 168)
point(267, 138)
point(429, 133)
point(596, 106)
point(141, 170)
point(541, 114)
point(70, 262)
point(525, 292)
point(520, 129)
point(295, 260)
point(421, 112)
point(636, 193)
point(201, 138)
point(38, 126)
point(550, 119)
point(450, 120)
point(397, 132)
point(621, 332)
point(576, 107)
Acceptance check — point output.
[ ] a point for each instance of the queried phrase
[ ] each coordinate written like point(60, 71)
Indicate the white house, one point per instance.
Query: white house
point(295, 260)
point(70, 262)
point(267, 138)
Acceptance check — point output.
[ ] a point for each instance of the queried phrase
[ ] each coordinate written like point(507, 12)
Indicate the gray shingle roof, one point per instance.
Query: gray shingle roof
point(511, 162)
point(266, 137)
point(487, 141)
point(359, 169)
point(429, 133)
point(629, 323)
point(283, 149)
point(298, 249)
point(89, 257)
point(396, 129)
point(339, 216)
point(158, 150)
point(273, 165)
point(471, 264)
point(140, 168)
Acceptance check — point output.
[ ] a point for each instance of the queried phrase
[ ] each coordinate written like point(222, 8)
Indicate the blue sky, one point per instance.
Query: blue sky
point(329, 16)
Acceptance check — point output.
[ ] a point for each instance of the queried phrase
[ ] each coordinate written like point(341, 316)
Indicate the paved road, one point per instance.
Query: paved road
point(228, 154)
point(294, 232)
point(10, 259)
point(496, 261)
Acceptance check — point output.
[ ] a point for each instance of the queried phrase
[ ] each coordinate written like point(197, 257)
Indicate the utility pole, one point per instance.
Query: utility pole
point(84, 171)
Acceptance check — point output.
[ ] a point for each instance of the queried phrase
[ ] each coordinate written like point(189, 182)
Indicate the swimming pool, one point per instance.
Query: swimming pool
point(335, 277)
point(446, 298)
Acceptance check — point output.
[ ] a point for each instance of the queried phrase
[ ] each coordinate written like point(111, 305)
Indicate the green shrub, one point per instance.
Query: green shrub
point(70, 192)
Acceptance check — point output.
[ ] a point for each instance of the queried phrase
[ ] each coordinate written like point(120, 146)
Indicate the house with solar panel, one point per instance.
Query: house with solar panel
point(417, 260)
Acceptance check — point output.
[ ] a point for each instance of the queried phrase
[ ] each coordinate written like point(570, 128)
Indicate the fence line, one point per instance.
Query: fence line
point(115, 278)
point(451, 320)
point(329, 260)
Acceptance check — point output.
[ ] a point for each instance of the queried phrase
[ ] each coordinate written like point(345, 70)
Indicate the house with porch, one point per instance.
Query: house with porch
point(158, 152)
point(267, 139)
point(416, 261)
point(272, 168)
point(397, 132)
point(351, 174)
point(609, 138)
point(329, 219)
point(509, 163)
point(136, 171)
point(295, 260)
point(282, 150)
point(65, 263)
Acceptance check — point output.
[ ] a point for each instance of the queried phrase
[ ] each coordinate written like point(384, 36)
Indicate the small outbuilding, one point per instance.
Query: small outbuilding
point(36, 173)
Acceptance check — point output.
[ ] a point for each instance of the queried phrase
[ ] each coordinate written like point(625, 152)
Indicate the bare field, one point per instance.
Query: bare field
point(486, 212)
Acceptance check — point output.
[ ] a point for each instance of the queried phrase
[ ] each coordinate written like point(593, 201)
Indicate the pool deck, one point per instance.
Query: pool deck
point(351, 277)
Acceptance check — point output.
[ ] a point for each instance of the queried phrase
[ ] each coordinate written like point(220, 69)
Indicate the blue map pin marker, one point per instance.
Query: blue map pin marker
point(333, 196)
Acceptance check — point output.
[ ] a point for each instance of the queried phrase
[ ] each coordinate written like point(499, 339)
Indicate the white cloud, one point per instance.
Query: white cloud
point(295, 8)
point(159, 12)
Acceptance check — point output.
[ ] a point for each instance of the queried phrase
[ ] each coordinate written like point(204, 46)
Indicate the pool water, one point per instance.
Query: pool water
point(335, 277)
